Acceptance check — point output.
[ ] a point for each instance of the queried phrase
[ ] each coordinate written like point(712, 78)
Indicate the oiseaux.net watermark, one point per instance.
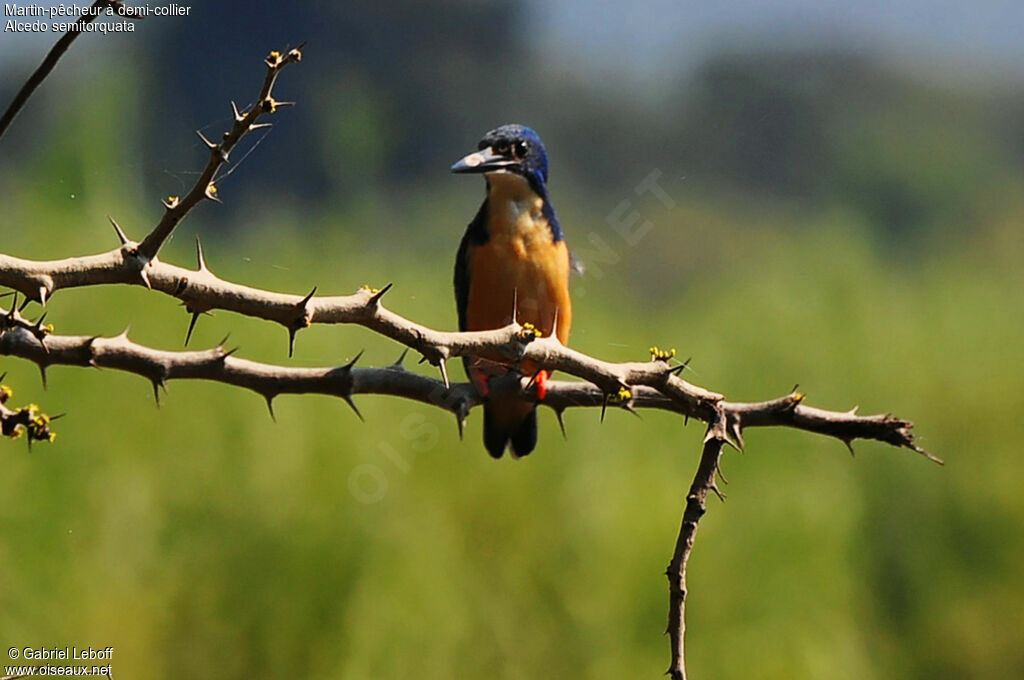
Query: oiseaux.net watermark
point(59, 661)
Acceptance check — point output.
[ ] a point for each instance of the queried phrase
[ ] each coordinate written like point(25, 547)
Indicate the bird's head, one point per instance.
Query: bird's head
point(509, 148)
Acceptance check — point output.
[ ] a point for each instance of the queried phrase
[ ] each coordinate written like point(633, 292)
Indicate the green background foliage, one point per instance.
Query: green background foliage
point(860, 236)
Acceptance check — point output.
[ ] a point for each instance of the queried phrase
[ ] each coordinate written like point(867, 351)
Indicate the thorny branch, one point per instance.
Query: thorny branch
point(200, 290)
point(696, 506)
point(137, 263)
point(204, 187)
point(31, 340)
point(630, 386)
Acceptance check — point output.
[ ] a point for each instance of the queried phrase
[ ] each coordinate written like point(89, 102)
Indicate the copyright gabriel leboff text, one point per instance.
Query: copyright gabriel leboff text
point(59, 661)
point(61, 18)
point(61, 653)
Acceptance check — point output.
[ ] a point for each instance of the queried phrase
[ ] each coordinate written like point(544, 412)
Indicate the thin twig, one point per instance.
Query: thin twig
point(204, 188)
point(44, 69)
point(696, 506)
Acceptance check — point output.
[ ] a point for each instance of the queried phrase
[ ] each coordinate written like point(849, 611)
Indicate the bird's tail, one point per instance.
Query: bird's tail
point(510, 422)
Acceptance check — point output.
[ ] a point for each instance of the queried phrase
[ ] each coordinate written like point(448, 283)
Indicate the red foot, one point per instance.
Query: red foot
point(542, 384)
point(480, 380)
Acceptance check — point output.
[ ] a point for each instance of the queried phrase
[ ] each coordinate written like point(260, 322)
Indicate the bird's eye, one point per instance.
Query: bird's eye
point(519, 149)
point(501, 148)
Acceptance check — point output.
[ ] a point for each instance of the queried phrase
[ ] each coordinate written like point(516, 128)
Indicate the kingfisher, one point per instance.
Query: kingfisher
point(513, 262)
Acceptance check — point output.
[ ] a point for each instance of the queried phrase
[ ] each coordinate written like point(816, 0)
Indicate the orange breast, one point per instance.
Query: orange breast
point(535, 279)
point(520, 265)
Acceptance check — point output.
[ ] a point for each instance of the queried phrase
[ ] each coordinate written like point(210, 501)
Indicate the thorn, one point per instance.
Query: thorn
point(39, 321)
point(191, 326)
point(561, 423)
point(200, 258)
point(535, 379)
point(57, 417)
point(352, 404)
point(349, 365)
point(676, 370)
point(444, 373)
point(400, 362)
point(714, 487)
point(121, 236)
point(721, 475)
point(628, 405)
point(853, 411)
point(209, 145)
point(737, 435)
point(268, 397)
point(42, 375)
point(305, 300)
point(238, 116)
point(686, 419)
point(849, 446)
point(461, 415)
point(299, 323)
point(156, 392)
point(375, 299)
point(257, 126)
point(604, 405)
point(795, 388)
point(291, 341)
point(422, 359)
point(515, 306)
point(930, 456)
point(24, 304)
point(224, 340)
point(145, 278)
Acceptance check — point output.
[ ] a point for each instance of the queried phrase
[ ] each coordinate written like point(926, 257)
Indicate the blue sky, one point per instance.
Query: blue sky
point(655, 37)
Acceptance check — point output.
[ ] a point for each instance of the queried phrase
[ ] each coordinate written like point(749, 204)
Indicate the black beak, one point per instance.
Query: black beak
point(484, 160)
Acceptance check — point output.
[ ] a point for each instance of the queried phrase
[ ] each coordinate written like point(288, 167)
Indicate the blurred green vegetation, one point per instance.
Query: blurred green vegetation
point(875, 259)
